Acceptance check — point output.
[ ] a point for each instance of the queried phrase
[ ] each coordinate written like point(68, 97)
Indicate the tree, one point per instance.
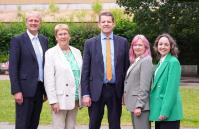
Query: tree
point(180, 18)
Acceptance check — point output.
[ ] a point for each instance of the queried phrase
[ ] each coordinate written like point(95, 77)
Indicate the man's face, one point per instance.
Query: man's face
point(33, 24)
point(106, 24)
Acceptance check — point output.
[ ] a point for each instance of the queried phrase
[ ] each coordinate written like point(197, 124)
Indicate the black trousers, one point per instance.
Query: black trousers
point(167, 124)
point(114, 108)
point(28, 113)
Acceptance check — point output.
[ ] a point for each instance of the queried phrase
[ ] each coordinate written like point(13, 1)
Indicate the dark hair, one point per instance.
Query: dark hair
point(106, 14)
point(174, 48)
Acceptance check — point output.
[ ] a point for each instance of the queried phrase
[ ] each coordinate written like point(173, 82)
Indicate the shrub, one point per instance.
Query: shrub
point(79, 33)
point(97, 7)
point(82, 31)
point(53, 7)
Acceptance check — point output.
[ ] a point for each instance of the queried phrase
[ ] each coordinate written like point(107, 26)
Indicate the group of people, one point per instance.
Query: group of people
point(109, 74)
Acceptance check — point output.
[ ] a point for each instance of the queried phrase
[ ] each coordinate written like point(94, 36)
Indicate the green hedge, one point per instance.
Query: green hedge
point(79, 33)
point(188, 44)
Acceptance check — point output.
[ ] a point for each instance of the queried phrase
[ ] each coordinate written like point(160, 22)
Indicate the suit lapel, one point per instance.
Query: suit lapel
point(161, 70)
point(116, 49)
point(42, 44)
point(132, 67)
point(98, 49)
point(63, 59)
point(76, 56)
point(61, 56)
point(28, 44)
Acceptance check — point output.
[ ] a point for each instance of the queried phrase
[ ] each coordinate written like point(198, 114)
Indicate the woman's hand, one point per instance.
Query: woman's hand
point(137, 112)
point(162, 117)
point(55, 107)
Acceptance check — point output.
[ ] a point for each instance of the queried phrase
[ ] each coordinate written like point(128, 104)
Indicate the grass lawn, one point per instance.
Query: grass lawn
point(190, 97)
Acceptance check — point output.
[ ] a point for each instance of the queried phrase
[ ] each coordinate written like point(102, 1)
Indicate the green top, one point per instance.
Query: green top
point(76, 71)
point(165, 98)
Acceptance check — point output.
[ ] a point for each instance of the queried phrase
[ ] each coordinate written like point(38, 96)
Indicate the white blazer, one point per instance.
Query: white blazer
point(59, 80)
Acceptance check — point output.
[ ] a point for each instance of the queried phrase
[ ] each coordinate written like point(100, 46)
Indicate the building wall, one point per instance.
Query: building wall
point(54, 1)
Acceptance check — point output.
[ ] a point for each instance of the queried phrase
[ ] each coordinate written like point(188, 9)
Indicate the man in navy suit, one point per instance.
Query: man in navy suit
point(102, 80)
point(26, 63)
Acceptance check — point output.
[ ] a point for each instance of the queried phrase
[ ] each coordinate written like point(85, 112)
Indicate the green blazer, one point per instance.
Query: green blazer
point(165, 96)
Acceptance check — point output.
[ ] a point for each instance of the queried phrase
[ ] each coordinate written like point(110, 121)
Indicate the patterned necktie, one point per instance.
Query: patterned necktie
point(38, 56)
point(108, 59)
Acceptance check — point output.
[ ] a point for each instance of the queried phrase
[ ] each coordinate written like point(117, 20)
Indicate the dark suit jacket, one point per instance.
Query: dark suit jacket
point(23, 66)
point(93, 67)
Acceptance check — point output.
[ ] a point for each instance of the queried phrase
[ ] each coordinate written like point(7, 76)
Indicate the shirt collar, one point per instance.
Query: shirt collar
point(162, 59)
point(138, 58)
point(31, 36)
point(103, 36)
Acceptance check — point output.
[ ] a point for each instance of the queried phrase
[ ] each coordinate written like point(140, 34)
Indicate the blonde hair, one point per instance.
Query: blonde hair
point(61, 27)
point(33, 13)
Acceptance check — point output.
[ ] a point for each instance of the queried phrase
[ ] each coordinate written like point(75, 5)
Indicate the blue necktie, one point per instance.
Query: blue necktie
point(36, 42)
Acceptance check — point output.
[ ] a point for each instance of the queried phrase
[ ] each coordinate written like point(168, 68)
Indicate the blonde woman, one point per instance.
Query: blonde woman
point(62, 72)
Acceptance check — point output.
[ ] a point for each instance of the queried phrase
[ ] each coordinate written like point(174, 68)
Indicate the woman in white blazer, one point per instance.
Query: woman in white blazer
point(138, 81)
point(62, 72)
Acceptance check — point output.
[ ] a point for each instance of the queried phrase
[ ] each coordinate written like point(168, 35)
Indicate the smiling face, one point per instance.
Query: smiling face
point(62, 37)
point(33, 23)
point(164, 46)
point(139, 48)
point(106, 24)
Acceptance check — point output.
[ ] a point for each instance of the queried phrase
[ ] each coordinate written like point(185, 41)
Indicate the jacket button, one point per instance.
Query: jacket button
point(66, 84)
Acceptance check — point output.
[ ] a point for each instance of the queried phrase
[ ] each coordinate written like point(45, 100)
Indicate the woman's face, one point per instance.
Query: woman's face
point(164, 46)
point(139, 48)
point(62, 37)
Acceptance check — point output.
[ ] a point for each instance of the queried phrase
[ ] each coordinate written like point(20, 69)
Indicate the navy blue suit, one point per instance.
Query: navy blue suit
point(92, 82)
point(23, 72)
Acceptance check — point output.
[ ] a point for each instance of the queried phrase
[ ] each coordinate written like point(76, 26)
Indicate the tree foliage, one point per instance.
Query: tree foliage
point(180, 18)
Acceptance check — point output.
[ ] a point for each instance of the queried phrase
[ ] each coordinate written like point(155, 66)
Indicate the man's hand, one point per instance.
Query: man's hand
point(18, 98)
point(123, 100)
point(45, 98)
point(86, 101)
point(55, 107)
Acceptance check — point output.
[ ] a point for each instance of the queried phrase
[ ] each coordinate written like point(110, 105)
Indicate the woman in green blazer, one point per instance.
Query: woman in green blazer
point(165, 99)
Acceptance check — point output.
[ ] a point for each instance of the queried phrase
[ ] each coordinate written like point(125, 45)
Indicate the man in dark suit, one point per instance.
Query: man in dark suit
point(26, 73)
point(105, 62)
